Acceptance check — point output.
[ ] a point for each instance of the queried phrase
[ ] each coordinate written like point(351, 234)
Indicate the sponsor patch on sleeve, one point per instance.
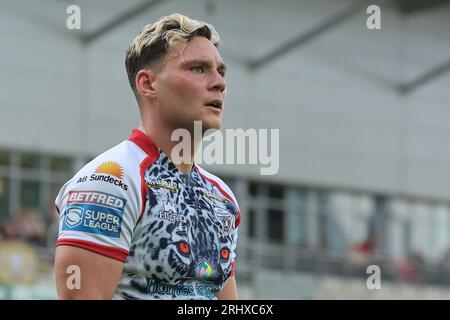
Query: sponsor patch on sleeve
point(94, 212)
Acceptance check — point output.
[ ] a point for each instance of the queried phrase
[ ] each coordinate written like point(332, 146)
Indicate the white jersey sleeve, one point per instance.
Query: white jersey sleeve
point(101, 205)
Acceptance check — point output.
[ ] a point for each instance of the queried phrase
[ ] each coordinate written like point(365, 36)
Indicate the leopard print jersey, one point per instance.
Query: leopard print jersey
point(183, 247)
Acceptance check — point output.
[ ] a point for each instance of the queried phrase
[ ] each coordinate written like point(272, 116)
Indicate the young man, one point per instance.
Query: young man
point(137, 222)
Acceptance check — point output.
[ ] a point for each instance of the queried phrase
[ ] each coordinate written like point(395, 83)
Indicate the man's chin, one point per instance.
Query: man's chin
point(211, 123)
point(211, 126)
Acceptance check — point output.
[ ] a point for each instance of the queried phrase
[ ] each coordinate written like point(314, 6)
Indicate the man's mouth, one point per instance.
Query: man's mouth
point(216, 103)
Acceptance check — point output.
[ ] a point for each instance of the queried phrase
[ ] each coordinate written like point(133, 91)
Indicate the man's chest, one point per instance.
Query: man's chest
point(186, 232)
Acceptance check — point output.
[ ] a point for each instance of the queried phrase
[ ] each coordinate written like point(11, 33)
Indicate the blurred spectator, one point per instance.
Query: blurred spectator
point(53, 227)
point(405, 271)
point(417, 259)
point(2, 233)
point(19, 263)
point(27, 225)
point(445, 261)
point(360, 253)
point(410, 269)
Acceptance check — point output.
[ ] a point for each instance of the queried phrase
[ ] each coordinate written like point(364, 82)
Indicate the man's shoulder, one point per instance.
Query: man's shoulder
point(101, 204)
point(121, 160)
point(115, 171)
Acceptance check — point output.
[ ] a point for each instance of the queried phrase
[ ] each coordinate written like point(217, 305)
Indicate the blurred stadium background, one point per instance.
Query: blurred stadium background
point(364, 136)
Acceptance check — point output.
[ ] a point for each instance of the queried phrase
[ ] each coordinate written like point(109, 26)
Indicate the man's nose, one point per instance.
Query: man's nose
point(218, 82)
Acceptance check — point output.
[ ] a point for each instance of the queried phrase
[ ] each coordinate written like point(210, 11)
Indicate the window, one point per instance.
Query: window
point(322, 208)
point(276, 192)
point(440, 234)
point(275, 225)
point(251, 223)
point(253, 188)
point(296, 217)
point(4, 158)
point(60, 163)
point(29, 160)
point(399, 228)
point(339, 220)
point(421, 230)
point(4, 201)
point(30, 194)
point(380, 223)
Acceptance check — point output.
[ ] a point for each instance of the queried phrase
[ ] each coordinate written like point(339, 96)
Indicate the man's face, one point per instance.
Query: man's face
point(190, 86)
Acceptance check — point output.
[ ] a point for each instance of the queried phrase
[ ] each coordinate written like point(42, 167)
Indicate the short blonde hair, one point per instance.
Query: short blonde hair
point(155, 40)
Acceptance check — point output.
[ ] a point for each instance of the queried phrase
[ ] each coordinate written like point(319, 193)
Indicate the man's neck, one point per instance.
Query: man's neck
point(161, 136)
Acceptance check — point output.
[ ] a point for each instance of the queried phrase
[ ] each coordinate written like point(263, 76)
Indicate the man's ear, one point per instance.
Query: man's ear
point(145, 83)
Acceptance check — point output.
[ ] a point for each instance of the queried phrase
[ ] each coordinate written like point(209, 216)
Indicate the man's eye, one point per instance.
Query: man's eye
point(198, 69)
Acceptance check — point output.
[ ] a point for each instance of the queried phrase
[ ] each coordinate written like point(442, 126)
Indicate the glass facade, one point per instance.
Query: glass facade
point(342, 231)
point(31, 181)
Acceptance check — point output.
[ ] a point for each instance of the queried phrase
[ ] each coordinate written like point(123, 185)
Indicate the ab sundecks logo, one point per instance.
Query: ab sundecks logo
point(108, 171)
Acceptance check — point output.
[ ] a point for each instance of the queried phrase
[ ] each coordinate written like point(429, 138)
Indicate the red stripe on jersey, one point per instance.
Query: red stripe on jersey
point(144, 142)
point(111, 252)
point(149, 147)
point(233, 268)
point(144, 165)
